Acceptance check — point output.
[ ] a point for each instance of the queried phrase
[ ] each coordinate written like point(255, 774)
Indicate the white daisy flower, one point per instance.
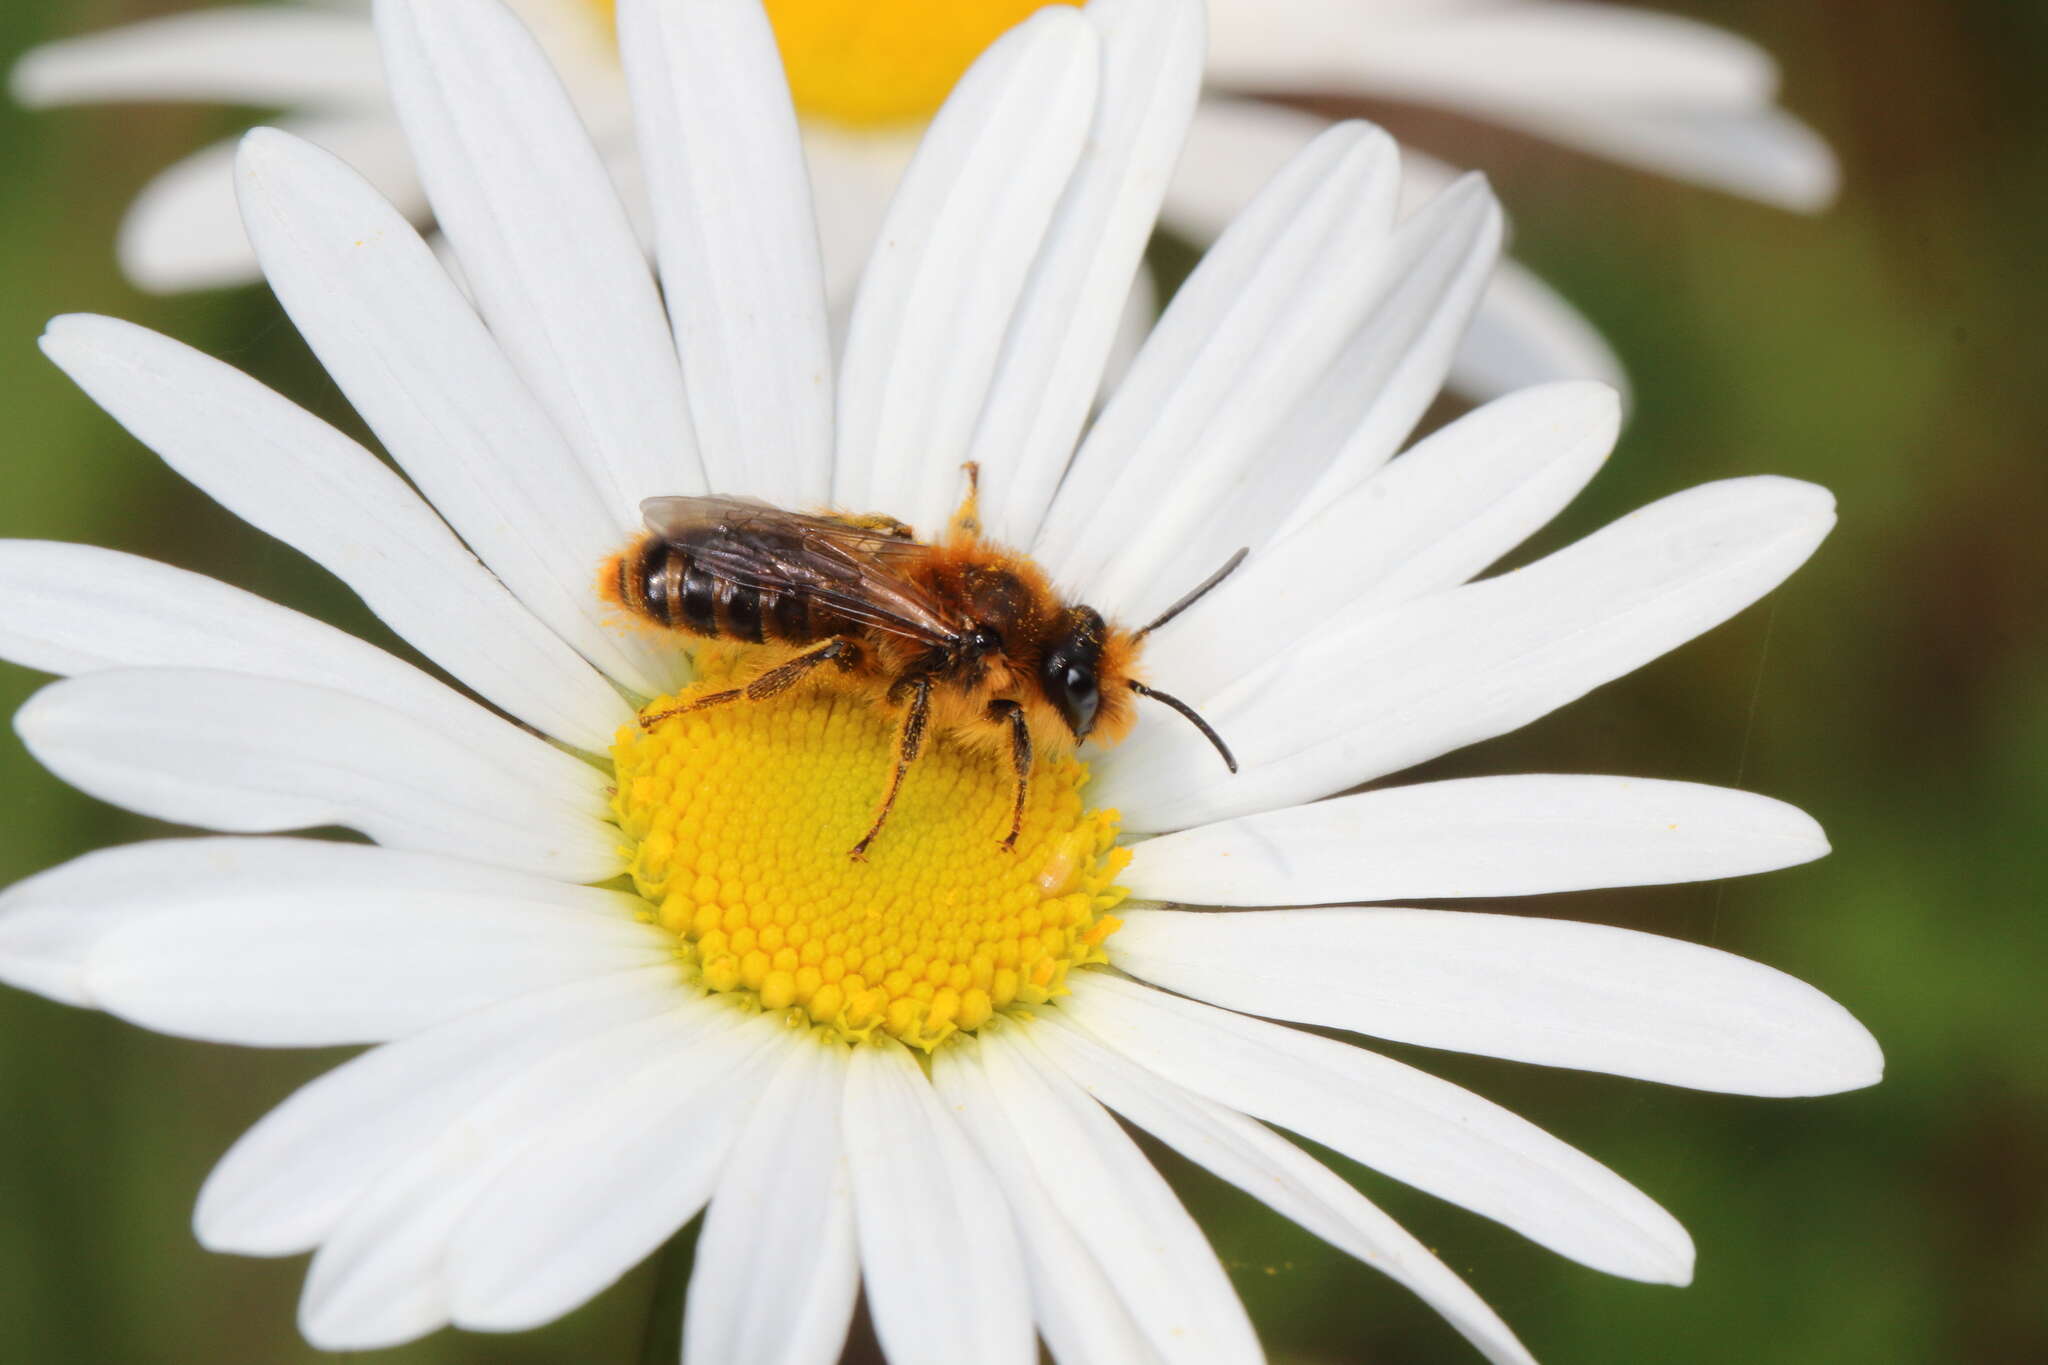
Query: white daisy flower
point(616, 975)
point(1651, 90)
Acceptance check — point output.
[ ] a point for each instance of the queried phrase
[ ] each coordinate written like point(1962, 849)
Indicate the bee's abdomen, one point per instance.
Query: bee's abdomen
point(664, 582)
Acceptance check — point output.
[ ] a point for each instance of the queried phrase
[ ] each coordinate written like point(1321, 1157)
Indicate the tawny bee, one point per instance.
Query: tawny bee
point(962, 635)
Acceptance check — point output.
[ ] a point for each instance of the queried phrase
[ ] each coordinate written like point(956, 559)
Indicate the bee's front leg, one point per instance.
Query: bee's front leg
point(1020, 755)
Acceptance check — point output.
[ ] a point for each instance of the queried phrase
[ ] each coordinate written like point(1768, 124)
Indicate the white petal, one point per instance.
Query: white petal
point(1526, 333)
point(285, 55)
point(76, 609)
point(1332, 203)
point(945, 1278)
point(1423, 178)
point(1073, 1295)
point(1141, 310)
point(1400, 1121)
point(1234, 146)
point(1276, 1173)
point(50, 922)
point(854, 173)
point(1654, 90)
point(738, 247)
point(776, 1269)
point(1067, 320)
point(1522, 332)
point(184, 230)
point(256, 755)
point(289, 474)
point(1533, 990)
point(1478, 836)
point(1247, 338)
point(567, 292)
point(72, 609)
point(1369, 697)
point(1491, 57)
point(1391, 369)
point(383, 1275)
point(609, 1183)
point(959, 242)
point(1441, 513)
point(285, 1185)
point(1137, 1232)
point(402, 342)
point(1763, 154)
point(314, 966)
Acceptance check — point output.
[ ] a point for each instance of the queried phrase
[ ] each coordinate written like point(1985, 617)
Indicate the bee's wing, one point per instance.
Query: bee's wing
point(860, 572)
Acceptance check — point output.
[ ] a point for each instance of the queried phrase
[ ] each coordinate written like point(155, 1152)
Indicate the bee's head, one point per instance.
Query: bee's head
point(1086, 670)
point(1086, 673)
point(1070, 670)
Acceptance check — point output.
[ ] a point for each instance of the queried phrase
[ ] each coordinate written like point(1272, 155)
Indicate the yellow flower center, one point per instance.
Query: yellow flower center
point(874, 62)
point(740, 819)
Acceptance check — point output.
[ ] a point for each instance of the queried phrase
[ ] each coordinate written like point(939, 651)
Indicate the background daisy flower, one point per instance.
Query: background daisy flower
point(563, 1079)
point(1651, 90)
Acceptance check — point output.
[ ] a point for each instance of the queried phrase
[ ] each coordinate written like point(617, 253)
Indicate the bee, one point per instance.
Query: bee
point(963, 635)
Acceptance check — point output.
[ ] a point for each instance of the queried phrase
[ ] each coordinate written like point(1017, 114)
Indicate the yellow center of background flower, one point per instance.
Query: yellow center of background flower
point(876, 62)
point(741, 817)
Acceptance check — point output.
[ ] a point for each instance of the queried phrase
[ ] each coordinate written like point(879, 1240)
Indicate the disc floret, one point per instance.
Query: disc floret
point(870, 63)
point(739, 820)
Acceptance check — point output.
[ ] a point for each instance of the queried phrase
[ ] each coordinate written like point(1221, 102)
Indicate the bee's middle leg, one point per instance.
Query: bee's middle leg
point(907, 747)
point(1020, 756)
point(780, 678)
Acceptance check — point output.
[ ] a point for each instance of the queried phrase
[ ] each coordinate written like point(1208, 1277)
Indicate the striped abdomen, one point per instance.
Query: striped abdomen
point(661, 580)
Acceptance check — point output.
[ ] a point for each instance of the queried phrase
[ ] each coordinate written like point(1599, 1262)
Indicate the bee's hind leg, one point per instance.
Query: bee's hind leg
point(1020, 756)
point(907, 747)
point(776, 680)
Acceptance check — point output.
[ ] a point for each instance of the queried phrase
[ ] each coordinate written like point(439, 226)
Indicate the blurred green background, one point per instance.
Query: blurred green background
point(1897, 688)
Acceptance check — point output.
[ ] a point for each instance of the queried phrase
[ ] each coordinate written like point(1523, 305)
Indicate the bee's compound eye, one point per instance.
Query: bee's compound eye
point(1071, 671)
point(1079, 697)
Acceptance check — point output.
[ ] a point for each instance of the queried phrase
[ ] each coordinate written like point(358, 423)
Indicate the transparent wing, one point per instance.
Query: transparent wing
point(859, 570)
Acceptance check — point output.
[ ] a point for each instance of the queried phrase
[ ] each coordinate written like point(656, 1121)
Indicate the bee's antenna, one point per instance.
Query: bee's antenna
point(1177, 608)
point(1177, 704)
